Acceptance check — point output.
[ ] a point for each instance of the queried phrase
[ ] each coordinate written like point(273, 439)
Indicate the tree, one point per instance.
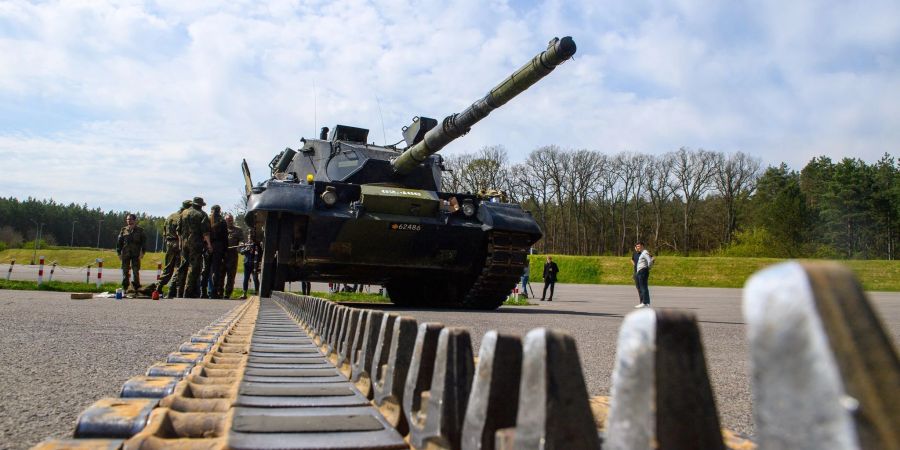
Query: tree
point(781, 209)
point(693, 172)
point(735, 178)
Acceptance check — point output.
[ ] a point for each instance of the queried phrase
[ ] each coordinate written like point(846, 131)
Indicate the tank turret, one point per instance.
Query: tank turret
point(456, 125)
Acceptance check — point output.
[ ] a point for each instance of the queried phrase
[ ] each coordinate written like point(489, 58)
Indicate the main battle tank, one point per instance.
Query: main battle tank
point(340, 210)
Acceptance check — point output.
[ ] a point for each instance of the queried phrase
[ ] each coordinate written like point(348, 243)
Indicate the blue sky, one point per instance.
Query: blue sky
point(136, 105)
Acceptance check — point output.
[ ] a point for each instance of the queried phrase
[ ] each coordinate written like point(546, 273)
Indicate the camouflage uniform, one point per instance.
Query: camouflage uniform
point(173, 251)
point(130, 247)
point(218, 237)
point(193, 230)
point(235, 237)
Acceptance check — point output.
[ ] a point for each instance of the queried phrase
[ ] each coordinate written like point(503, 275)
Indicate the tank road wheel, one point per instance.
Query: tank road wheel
point(276, 240)
point(505, 259)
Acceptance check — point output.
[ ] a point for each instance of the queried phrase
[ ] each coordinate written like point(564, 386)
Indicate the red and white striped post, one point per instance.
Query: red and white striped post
point(87, 278)
point(515, 292)
point(99, 272)
point(52, 269)
point(158, 272)
point(41, 272)
point(12, 262)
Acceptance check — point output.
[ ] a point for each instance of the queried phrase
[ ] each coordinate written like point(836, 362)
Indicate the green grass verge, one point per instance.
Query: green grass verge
point(352, 297)
point(728, 272)
point(57, 286)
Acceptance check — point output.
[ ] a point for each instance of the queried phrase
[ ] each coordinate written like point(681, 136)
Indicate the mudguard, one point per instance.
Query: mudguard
point(507, 217)
point(283, 197)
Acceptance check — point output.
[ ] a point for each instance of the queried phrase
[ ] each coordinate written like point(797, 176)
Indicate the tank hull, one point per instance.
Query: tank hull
point(442, 259)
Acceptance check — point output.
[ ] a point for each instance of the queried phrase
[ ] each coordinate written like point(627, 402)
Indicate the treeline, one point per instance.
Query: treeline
point(694, 202)
point(65, 225)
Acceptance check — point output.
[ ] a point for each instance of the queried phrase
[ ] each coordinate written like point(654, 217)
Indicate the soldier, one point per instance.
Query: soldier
point(130, 248)
point(235, 236)
point(251, 251)
point(218, 237)
point(193, 237)
point(173, 252)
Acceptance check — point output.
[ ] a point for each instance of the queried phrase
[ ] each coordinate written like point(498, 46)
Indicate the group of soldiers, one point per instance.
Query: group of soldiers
point(201, 253)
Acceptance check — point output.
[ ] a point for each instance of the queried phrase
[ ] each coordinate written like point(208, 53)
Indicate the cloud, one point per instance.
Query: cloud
point(162, 100)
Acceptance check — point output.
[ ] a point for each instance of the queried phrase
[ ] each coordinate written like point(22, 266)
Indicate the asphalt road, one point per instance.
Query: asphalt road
point(62, 355)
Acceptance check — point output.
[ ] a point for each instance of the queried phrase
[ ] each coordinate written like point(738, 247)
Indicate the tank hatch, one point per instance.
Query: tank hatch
point(399, 201)
point(415, 132)
point(348, 133)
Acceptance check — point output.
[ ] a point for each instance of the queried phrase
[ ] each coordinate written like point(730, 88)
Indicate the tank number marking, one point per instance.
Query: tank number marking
point(406, 227)
point(396, 192)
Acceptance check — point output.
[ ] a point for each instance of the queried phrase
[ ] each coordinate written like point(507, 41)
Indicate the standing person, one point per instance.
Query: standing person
point(193, 235)
point(251, 252)
point(173, 251)
point(635, 255)
point(130, 246)
point(218, 237)
point(642, 274)
point(525, 275)
point(235, 237)
point(306, 286)
point(550, 271)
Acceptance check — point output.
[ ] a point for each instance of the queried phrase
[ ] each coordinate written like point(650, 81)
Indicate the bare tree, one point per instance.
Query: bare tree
point(693, 172)
point(659, 186)
point(735, 179)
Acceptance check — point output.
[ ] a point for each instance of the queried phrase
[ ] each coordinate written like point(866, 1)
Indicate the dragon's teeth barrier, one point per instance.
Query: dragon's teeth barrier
point(294, 372)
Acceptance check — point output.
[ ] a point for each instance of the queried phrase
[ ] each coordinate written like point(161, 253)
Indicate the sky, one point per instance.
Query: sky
point(138, 105)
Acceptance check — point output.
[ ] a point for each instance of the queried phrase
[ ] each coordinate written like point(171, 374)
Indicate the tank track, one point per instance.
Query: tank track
point(507, 255)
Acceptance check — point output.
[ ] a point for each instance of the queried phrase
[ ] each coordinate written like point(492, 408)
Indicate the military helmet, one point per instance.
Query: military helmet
point(198, 201)
point(187, 203)
point(216, 208)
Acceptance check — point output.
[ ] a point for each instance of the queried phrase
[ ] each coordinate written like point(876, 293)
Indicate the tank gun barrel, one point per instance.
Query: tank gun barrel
point(456, 125)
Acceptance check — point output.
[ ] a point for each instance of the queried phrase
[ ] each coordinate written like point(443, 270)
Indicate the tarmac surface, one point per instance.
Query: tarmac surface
point(61, 355)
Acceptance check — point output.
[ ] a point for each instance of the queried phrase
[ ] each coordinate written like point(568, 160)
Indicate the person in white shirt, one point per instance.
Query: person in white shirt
point(642, 274)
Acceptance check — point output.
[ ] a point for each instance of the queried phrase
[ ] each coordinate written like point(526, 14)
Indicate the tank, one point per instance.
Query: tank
point(339, 209)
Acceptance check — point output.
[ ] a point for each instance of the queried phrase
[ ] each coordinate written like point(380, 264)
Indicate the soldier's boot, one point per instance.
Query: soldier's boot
point(243, 295)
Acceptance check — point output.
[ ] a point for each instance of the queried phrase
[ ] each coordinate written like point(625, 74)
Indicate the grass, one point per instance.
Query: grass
point(351, 297)
point(58, 286)
point(727, 272)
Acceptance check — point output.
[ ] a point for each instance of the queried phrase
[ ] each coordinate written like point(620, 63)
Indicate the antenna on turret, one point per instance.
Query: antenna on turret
point(315, 108)
point(383, 134)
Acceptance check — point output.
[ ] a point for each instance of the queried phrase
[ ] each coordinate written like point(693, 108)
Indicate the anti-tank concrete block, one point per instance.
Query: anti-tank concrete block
point(438, 420)
point(362, 361)
point(553, 403)
point(390, 383)
point(494, 401)
point(821, 361)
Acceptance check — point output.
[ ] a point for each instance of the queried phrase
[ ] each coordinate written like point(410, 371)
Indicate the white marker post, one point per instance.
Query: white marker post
point(52, 269)
point(12, 262)
point(158, 272)
point(41, 272)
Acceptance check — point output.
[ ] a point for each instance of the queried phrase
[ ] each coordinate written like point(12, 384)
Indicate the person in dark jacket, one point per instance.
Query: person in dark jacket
point(550, 271)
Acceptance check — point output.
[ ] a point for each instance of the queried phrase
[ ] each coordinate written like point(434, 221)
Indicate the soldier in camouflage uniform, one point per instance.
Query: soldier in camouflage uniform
point(173, 252)
point(193, 237)
point(235, 237)
point(130, 246)
point(218, 237)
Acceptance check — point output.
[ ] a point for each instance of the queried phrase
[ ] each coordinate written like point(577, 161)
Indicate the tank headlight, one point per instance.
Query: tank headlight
point(468, 208)
point(329, 196)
